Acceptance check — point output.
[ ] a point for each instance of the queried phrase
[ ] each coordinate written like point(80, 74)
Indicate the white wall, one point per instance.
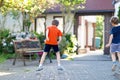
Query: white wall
point(82, 30)
point(90, 20)
point(90, 34)
point(17, 25)
point(82, 33)
point(49, 17)
point(14, 25)
point(40, 25)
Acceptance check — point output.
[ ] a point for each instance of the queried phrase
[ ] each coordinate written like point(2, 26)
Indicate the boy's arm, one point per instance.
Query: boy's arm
point(60, 38)
point(47, 31)
point(110, 40)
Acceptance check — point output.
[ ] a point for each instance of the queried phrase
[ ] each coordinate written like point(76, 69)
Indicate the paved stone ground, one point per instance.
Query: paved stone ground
point(91, 66)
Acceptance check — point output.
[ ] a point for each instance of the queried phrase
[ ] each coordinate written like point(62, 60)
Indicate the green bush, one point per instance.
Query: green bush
point(4, 57)
point(6, 39)
point(63, 45)
point(68, 44)
point(3, 35)
point(0, 46)
point(41, 38)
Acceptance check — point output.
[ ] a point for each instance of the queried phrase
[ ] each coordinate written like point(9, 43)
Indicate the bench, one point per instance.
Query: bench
point(29, 47)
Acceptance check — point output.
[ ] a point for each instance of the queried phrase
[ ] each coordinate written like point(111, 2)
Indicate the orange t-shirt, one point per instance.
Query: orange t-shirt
point(53, 35)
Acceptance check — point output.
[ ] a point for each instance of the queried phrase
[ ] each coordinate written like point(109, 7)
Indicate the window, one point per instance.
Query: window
point(61, 22)
point(40, 25)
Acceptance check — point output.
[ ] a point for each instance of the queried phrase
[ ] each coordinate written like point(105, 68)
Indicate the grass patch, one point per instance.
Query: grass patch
point(4, 57)
point(70, 58)
point(26, 70)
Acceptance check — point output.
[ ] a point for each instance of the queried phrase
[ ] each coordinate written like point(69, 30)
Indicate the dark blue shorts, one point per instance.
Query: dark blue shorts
point(48, 47)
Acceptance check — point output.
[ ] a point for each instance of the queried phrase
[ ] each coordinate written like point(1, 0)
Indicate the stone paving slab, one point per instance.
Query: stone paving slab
point(74, 70)
point(93, 56)
point(91, 68)
point(117, 75)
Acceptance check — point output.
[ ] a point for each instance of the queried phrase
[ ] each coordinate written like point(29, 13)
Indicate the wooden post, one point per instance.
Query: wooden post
point(86, 24)
point(93, 46)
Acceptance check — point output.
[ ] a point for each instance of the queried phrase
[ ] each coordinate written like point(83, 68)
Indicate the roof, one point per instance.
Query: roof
point(90, 6)
point(98, 6)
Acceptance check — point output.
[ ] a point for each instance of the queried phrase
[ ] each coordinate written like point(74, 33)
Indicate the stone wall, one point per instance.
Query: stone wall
point(107, 27)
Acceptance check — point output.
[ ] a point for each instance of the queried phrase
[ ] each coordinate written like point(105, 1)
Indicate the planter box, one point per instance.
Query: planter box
point(82, 51)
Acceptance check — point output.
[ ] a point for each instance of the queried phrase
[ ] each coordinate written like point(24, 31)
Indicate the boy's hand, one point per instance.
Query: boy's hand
point(58, 42)
point(46, 40)
point(107, 45)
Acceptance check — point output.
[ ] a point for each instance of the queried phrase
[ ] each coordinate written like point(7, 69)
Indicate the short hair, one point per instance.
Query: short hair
point(55, 22)
point(114, 20)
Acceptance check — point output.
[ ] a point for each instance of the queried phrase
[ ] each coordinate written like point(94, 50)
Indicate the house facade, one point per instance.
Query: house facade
point(66, 25)
point(98, 7)
point(82, 23)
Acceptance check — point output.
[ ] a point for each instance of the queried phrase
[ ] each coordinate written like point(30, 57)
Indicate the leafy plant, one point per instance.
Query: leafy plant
point(4, 57)
point(4, 33)
point(99, 29)
point(5, 41)
point(27, 23)
point(29, 9)
point(41, 38)
point(1, 46)
point(68, 44)
point(9, 47)
point(63, 44)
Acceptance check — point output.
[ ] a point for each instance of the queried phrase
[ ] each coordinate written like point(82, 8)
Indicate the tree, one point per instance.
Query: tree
point(1, 3)
point(70, 6)
point(31, 8)
point(28, 8)
point(99, 29)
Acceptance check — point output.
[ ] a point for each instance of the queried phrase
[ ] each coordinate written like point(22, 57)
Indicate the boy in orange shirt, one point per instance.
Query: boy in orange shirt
point(52, 35)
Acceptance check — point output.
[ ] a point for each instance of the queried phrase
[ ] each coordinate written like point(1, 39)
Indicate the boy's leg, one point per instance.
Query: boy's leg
point(58, 58)
point(43, 57)
point(113, 56)
point(46, 50)
point(118, 54)
point(56, 49)
point(41, 61)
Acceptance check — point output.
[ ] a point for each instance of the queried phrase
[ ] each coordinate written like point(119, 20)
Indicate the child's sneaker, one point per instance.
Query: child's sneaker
point(60, 68)
point(40, 68)
point(114, 67)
